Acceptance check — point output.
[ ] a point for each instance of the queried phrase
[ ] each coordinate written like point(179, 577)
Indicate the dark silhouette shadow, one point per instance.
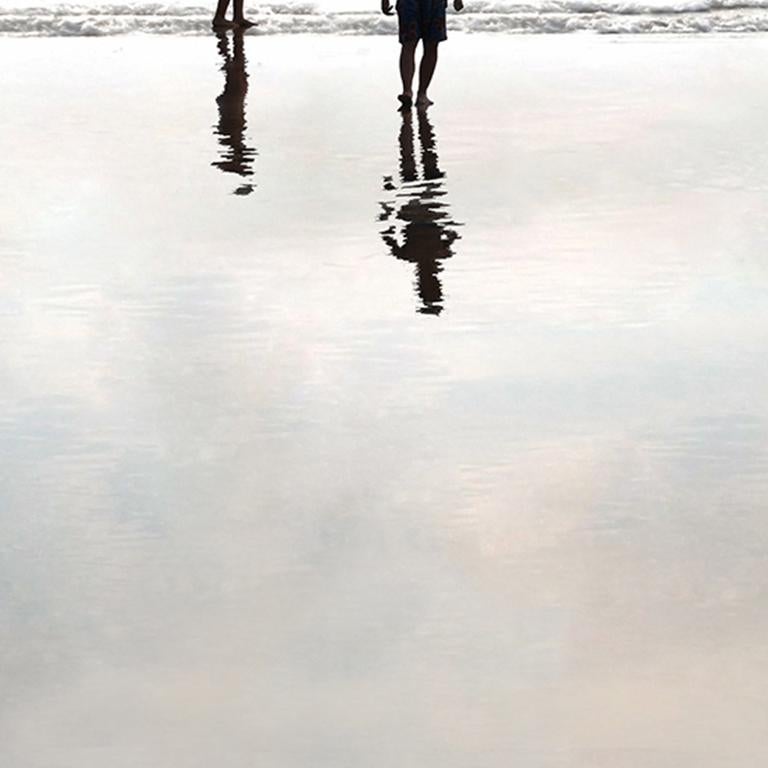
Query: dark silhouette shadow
point(420, 228)
point(235, 155)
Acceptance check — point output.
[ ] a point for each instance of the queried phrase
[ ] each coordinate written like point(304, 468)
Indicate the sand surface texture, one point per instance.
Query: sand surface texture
point(333, 439)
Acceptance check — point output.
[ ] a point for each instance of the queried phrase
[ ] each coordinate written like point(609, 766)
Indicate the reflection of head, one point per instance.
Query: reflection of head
point(420, 230)
point(235, 155)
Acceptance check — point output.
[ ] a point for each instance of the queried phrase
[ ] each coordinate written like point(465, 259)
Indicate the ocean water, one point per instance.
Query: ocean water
point(363, 18)
point(335, 437)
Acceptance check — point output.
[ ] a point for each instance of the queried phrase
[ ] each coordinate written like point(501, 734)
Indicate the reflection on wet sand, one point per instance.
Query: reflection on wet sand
point(235, 154)
point(419, 229)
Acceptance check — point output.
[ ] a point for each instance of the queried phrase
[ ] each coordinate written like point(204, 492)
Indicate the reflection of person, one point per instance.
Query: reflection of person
point(238, 20)
point(426, 231)
point(236, 155)
point(419, 20)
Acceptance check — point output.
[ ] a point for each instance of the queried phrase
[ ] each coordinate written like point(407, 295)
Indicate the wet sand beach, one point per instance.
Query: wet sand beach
point(336, 437)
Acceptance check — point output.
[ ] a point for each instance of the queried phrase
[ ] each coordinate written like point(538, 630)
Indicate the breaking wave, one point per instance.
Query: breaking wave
point(550, 17)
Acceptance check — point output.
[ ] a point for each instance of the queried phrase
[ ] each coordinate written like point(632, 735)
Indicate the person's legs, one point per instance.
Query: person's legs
point(426, 70)
point(407, 67)
point(237, 16)
point(219, 18)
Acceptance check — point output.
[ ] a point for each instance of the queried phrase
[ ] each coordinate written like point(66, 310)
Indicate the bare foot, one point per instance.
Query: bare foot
point(422, 102)
point(222, 24)
point(244, 23)
point(406, 100)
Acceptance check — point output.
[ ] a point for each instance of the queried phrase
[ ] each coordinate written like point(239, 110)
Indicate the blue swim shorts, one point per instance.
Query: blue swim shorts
point(421, 20)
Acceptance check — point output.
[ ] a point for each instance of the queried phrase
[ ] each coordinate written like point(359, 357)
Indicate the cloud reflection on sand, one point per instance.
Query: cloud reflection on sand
point(256, 511)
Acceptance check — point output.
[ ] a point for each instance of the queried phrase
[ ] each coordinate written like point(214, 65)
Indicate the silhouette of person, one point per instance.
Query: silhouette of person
point(419, 20)
point(426, 231)
point(235, 155)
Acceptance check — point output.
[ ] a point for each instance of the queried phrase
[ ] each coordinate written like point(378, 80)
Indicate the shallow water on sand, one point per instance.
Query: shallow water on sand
point(333, 438)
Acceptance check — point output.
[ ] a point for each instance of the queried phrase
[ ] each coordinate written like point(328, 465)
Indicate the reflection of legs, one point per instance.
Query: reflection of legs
point(223, 47)
point(426, 70)
point(407, 67)
point(428, 150)
point(408, 171)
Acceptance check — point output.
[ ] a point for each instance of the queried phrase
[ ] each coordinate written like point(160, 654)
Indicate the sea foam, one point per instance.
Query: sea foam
point(549, 17)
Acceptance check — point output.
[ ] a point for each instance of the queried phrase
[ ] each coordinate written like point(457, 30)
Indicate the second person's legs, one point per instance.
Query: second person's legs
point(426, 70)
point(407, 68)
point(219, 18)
